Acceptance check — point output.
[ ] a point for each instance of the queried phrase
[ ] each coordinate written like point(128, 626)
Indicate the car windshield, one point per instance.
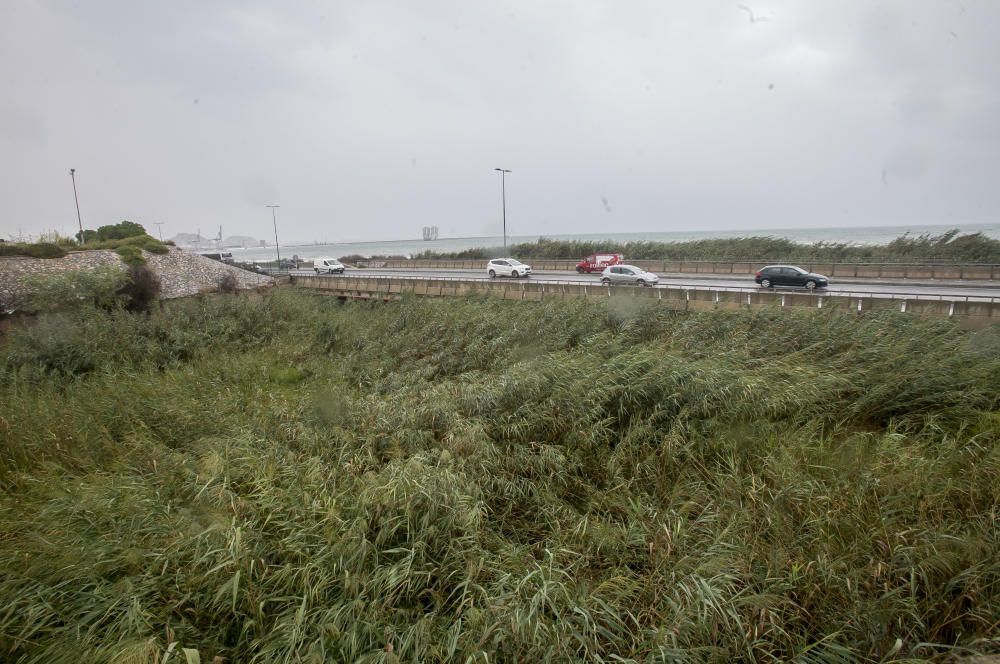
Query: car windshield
point(515, 262)
point(799, 270)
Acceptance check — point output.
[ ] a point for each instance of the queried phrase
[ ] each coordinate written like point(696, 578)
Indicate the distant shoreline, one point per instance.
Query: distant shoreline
point(747, 232)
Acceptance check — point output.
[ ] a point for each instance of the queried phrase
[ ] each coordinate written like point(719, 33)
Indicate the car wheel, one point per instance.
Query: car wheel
point(765, 283)
point(317, 270)
point(605, 281)
point(579, 270)
point(810, 285)
point(493, 274)
point(514, 274)
point(641, 282)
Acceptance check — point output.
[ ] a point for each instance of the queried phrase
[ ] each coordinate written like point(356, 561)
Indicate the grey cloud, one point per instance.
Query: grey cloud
point(370, 120)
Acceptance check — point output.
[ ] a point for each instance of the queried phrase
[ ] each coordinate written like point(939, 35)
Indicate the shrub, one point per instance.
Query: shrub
point(98, 287)
point(354, 258)
point(146, 242)
point(45, 250)
point(155, 247)
point(227, 283)
point(37, 250)
point(88, 236)
point(120, 231)
point(55, 237)
point(57, 346)
point(132, 255)
point(141, 290)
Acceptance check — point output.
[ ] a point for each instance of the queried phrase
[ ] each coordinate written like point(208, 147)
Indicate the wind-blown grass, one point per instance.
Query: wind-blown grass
point(283, 478)
point(950, 246)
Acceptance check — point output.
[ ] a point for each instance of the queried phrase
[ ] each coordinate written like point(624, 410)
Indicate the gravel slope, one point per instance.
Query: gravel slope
point(181, 273)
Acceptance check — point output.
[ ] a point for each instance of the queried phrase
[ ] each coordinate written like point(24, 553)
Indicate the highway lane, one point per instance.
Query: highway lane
point(948, 291)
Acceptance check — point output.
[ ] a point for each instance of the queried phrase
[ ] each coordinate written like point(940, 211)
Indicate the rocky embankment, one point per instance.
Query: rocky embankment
point(181, 273)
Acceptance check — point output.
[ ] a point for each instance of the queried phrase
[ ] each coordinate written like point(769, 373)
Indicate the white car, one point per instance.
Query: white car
point(628, 274)
point(507, 267)
point(328, 265)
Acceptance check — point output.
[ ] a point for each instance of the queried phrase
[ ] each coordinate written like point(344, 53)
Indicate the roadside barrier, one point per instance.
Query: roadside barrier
point(850, 270)
point(969, 311)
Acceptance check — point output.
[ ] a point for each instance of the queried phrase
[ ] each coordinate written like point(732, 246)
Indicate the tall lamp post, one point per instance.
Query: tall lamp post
point(274, 219)
point(72, 174)
point(503, 201)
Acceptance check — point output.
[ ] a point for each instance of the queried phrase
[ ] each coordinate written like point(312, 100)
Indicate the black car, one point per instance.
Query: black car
point(789, 275)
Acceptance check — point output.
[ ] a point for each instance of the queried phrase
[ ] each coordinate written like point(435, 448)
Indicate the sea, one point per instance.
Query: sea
point(852, 235)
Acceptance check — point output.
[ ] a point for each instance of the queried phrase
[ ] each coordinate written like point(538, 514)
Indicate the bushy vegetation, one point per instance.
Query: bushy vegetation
point(950, 246)
point(131, 255)
point(141, 289)
point(97, 287)
point(59, 246)
point(120, 231)
point(150, 244)
point(32, 250)
point(355, 258)
point(106, 288)
point(285, 478)
point(227, 283)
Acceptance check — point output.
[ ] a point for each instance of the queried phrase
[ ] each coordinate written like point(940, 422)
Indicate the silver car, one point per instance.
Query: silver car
point(628, 274)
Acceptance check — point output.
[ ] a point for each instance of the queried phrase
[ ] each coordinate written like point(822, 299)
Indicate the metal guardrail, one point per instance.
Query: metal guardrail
point(674, 286)
point(851, 270)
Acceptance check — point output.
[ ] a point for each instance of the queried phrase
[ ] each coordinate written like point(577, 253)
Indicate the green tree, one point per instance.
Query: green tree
point(88, 235)
point(120, 231)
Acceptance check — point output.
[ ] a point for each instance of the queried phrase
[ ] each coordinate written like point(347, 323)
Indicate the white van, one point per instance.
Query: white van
point(328, 265)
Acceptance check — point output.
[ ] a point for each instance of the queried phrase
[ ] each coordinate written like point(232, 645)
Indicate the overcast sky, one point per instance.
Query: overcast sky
point(368, 120)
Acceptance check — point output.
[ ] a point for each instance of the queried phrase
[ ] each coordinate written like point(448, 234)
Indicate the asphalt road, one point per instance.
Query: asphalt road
point(950, 290)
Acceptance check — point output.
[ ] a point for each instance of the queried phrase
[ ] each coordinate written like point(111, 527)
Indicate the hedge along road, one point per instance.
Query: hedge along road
point(879, 288)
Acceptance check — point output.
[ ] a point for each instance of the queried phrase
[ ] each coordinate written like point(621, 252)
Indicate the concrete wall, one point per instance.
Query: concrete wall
point(970, 315)
point(853, 270)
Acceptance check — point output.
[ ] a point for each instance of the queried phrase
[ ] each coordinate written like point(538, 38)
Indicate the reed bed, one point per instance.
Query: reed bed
point(287, 479)
point(950, 246)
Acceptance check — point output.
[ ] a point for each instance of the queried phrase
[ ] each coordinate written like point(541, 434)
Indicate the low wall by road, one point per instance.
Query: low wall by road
point(971, 315)
point(851, 270)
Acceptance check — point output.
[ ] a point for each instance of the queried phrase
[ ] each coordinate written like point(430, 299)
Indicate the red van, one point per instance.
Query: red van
point(597, 262)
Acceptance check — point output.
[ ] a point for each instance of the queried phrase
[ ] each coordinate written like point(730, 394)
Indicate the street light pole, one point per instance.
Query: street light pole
point(72, 174)
point(274, 219)
point(159, 227)
point(503, 201)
